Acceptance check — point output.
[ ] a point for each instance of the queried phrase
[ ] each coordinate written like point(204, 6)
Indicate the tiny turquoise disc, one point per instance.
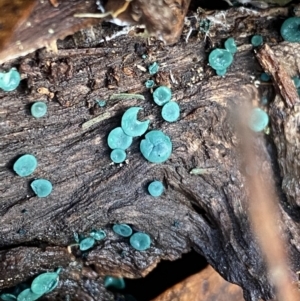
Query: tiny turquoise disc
point(149, 83)
point(28, 295)
point(290, 29)
point(25, 165)
point(10, 80)
point(259, 119)
point(230, 45)
point(44, 283)
point(41, 187)
point(257, 40)
point(156, 188)
point(170, 111)
point(153, 68)
point(122, 229)
point(220, 59)
point(131, 126)
point(296, 81)
point(156, 147)
point(140, 241)
point(162, 95)
point(98, 234)
point(8, 297)
point(86, 243)
point(118, 139)
point(101, 103)
point(115, 282)
point(265, 77)
point(118, 155)
point(38, 109)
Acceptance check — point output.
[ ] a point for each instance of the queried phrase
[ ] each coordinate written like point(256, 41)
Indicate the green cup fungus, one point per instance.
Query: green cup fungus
point(149, 83)
point(45, 283)
point(156, 147)
point(101, 103)
point(86, 243)
point(140, 241)
point(230, 45)
point(41, 187)
point(118, 139)
point(10, 80)
point(170, 111)
point(162, 95)
point(8, 297)
point(42, 284)
point(153, 68)
point(28, 295)
point(118, 155)
point(296, 81)
point(25, 165)
point(98, 234)
point(156, 188)
point(257, 40)
point(258, 120)
point(114, 282)
point(38, 109)
point(290, 29)
point(220, 60)
point(122, 230)
point(131, 126)
point(265, 77)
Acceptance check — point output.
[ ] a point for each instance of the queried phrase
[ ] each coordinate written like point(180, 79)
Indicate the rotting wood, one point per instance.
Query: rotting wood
point(206, 212)
point(282, 80)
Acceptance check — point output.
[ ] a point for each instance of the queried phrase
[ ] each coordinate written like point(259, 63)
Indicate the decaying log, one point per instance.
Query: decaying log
point(206, 211)
point(204, 286)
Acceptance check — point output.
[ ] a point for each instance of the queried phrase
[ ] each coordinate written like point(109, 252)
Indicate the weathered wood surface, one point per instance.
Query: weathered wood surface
point(206, 285)
point(207, 212)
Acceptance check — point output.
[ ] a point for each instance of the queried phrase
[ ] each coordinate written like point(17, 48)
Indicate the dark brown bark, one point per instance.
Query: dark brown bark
point(206, 212)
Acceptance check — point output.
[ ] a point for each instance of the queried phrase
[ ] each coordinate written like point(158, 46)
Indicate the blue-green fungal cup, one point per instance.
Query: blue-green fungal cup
point(156, 188)
point(27, 295)
point(118, 155)
point(10, 80)
point(257, 40)
point(45, 283)
point(140, 241)
point(156, 147)
point(8, 297)
point(170, 111)
point(153, 68)
point(25, 165)
point(114, 282)
point(258, 120)
point(118, 139)
point(230, 45)
point(265, 77)
point(220, 59)
point(98, 234)
point(149, 83)
point(162, 95)
point(86, 243)
point(41, 187)
point(290, 29)
point(131, 126)
point(122, 230)
point(38, 109)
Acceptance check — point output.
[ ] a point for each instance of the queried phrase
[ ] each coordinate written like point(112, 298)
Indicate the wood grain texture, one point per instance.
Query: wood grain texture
point(207, 212)
point(207, 285)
